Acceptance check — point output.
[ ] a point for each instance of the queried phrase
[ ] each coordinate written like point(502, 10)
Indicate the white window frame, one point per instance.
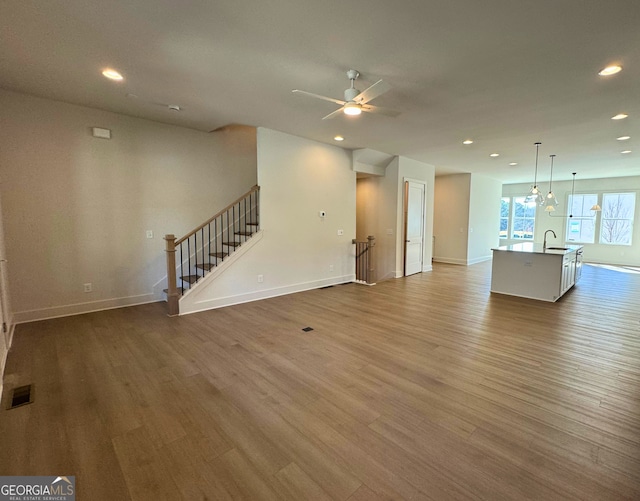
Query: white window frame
point(508, 218)
point(513, 220)
point(585, 214)
point(629, 219)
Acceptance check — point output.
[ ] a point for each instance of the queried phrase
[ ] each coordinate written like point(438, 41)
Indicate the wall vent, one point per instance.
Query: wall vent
point(22, 395)
point(307, 329)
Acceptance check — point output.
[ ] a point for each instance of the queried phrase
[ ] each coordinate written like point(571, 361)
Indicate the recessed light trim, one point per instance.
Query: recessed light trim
point(623, 138)
point(610, 70)
point(513, 164)
point(112, 74)
point(467, 141)
point(494, 155)
point(338, 138)
point(625, 152)
point(619, 116)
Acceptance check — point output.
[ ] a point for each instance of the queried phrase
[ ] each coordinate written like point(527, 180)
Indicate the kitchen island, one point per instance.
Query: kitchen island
point(529, 270)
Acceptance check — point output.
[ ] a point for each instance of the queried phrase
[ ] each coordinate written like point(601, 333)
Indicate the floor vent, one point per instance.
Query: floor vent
point(22, 395)
point(307, 329)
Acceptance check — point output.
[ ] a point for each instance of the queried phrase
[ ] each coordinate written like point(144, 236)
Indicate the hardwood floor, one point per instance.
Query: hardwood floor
point(426, 387)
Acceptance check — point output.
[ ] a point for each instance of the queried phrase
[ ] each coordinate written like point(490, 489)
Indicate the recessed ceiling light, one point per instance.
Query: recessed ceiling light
point(623, 138)
point(610, 70)
point(619, 116)
point(338, 138)
point(625, 152)
point(467, 141)
point(513, 163)
point(495, 155)
point(112, 74)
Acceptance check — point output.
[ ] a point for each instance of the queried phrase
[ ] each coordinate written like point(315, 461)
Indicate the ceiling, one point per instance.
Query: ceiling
point(504, 73)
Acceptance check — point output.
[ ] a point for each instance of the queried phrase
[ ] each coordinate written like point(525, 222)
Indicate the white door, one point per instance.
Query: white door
point(414, 226)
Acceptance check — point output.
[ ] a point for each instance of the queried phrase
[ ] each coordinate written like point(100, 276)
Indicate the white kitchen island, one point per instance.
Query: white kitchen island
point(528, 270)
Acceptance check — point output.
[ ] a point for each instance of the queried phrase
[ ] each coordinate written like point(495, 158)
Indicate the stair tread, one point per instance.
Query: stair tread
point(252, 224)
point(219, 254)
point(231, 244)
point(244, 233)
point(180, 290)
point(190, 278)
point(205, 266)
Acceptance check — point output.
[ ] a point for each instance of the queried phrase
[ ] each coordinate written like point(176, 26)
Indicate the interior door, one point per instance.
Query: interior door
point(414, 226)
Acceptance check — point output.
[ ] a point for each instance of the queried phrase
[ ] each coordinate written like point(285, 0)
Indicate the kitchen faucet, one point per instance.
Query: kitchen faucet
point(544, 245)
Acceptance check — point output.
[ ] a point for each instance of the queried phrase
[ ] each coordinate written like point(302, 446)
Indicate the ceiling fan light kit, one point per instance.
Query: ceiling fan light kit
point(352, 109)
point(355, 102)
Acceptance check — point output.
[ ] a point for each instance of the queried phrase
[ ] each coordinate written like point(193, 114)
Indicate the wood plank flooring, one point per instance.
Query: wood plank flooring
point(426, 387)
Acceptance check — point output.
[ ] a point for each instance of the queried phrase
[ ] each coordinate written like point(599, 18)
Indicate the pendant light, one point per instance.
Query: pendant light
point(534, 194)
point(550, 202)
point(549, 208)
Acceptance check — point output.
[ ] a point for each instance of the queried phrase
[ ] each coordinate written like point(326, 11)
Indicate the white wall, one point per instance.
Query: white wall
point(467, 218)
point(298, 178)
point(76, 208)
point(451, 218)
point(484, 218)
point(595, 253)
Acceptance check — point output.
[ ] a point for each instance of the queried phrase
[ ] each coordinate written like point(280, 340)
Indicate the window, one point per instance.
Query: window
point(524, 218)
point(616, 223)
point(504, 217)
point(581, 227)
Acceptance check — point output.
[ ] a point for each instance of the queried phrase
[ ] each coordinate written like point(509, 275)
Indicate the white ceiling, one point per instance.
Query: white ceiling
point(505, 73)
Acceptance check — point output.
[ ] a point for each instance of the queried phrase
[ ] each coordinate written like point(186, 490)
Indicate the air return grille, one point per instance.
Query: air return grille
point(22, 395)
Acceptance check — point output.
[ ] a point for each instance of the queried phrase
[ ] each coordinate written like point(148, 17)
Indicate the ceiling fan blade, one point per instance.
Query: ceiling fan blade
point(318, 96)
point(334, 113)
point(382, 111)
point(372, 92)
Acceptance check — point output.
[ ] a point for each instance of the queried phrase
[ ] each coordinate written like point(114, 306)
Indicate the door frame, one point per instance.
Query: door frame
point(405, 210)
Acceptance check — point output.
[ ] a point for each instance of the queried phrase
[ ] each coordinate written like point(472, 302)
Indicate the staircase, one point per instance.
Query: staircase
point(199, 252)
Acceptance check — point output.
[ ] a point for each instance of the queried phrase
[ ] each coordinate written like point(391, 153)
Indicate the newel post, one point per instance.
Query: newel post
point(172, 289)
point(371, 279)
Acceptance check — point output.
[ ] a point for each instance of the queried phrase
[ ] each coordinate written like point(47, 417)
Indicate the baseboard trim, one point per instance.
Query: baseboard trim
point(461, 262)
point(480, 259)
point(447, 260)
point(215, 303)
point(21, 317)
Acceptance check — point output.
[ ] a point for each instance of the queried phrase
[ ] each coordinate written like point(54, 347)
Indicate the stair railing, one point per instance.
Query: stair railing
point(192, 256)
point(365, 272)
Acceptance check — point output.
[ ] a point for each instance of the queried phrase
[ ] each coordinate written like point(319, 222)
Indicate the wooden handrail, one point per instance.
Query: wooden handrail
point(364, 259)
point(252, 190)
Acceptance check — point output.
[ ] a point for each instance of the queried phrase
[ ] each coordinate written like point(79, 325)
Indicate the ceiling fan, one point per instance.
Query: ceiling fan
point(355, 102)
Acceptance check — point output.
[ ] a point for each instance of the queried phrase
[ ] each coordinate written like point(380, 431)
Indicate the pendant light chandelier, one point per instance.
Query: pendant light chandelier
point(534, 194)
point(595, 208)
point(550, 202)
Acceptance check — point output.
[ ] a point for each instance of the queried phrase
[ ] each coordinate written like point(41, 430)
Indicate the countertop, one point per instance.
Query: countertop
point(531, 248)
